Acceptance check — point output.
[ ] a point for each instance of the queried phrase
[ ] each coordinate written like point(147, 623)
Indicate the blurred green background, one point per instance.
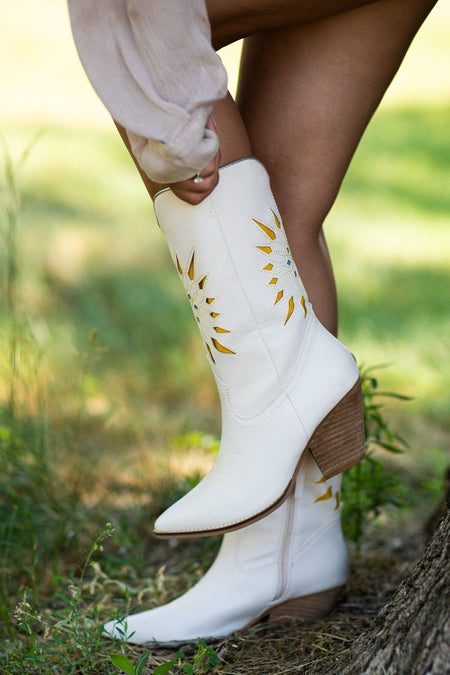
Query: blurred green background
point(90, 257)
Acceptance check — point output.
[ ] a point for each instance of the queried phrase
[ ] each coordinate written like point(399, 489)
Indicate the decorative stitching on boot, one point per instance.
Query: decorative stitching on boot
point(202, 306)
point(281, 267)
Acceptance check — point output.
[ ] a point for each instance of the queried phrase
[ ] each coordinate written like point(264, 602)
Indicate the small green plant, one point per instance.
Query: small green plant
point(368, 486)
point(127, 667)
point(205, 661)
point(69, 637)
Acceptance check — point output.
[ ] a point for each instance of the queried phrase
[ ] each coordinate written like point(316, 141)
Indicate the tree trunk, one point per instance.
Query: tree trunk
point(411, 634)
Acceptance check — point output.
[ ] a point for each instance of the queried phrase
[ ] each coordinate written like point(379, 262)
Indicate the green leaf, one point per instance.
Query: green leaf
point(164, 668)
point(214, 658)
point(142, 660)
point(400, 397)
point(123, 663)
point(390, 447)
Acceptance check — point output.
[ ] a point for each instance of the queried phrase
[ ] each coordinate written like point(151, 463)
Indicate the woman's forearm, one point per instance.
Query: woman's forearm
point(153, 66)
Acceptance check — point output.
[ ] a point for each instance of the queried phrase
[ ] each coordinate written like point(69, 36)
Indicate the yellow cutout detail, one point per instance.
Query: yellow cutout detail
point(303, 304)
point(279, 296)
point(191, 268)
point(210, 300)
point(221, 348)
point(277, 220)
point(322, 480)
point(201, 283)
point(273, 281)
point(270, 233)
point(265, 249)
point(210, 352)
point(290, 310)
point(179, 268)
point(325, 496)
point(220, 330)
point(336, 496)
point(214, 314)
point(268, 267)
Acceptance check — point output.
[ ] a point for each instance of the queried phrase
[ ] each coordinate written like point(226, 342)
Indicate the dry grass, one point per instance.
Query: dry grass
point(316, 647)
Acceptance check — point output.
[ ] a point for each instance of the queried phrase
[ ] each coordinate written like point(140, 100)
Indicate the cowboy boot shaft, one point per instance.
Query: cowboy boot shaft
point(247, 296)
point(278, 371)
point(234, 260)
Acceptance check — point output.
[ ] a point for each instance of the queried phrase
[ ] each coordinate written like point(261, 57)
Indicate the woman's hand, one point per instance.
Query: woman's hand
point(193, 191)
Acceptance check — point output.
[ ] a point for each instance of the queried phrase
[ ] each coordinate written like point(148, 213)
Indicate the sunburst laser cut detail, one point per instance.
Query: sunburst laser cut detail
point(270, 233)
point(338, 501)
point(303, 304)
point(221, 348)
point(326, 495)
point(290, 310)
point(201, 306)
point(284, 273)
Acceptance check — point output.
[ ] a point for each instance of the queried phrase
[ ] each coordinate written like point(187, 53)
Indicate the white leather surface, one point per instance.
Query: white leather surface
point(257, 567)
point(278, 377)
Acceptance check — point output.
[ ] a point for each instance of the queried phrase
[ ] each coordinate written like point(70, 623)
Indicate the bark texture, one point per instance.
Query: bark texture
point(411, 634)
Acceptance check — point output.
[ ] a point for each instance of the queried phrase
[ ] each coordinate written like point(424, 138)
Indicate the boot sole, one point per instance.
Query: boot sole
point(305, 608)
point(337, 444)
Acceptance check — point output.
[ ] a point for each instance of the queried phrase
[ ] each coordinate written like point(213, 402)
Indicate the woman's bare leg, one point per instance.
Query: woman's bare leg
point(234, 19)
point(231, 20)
point(306, 95)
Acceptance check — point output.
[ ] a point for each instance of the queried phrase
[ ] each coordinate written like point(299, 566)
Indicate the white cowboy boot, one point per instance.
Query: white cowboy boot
point(285, 382)
point(290, 565)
